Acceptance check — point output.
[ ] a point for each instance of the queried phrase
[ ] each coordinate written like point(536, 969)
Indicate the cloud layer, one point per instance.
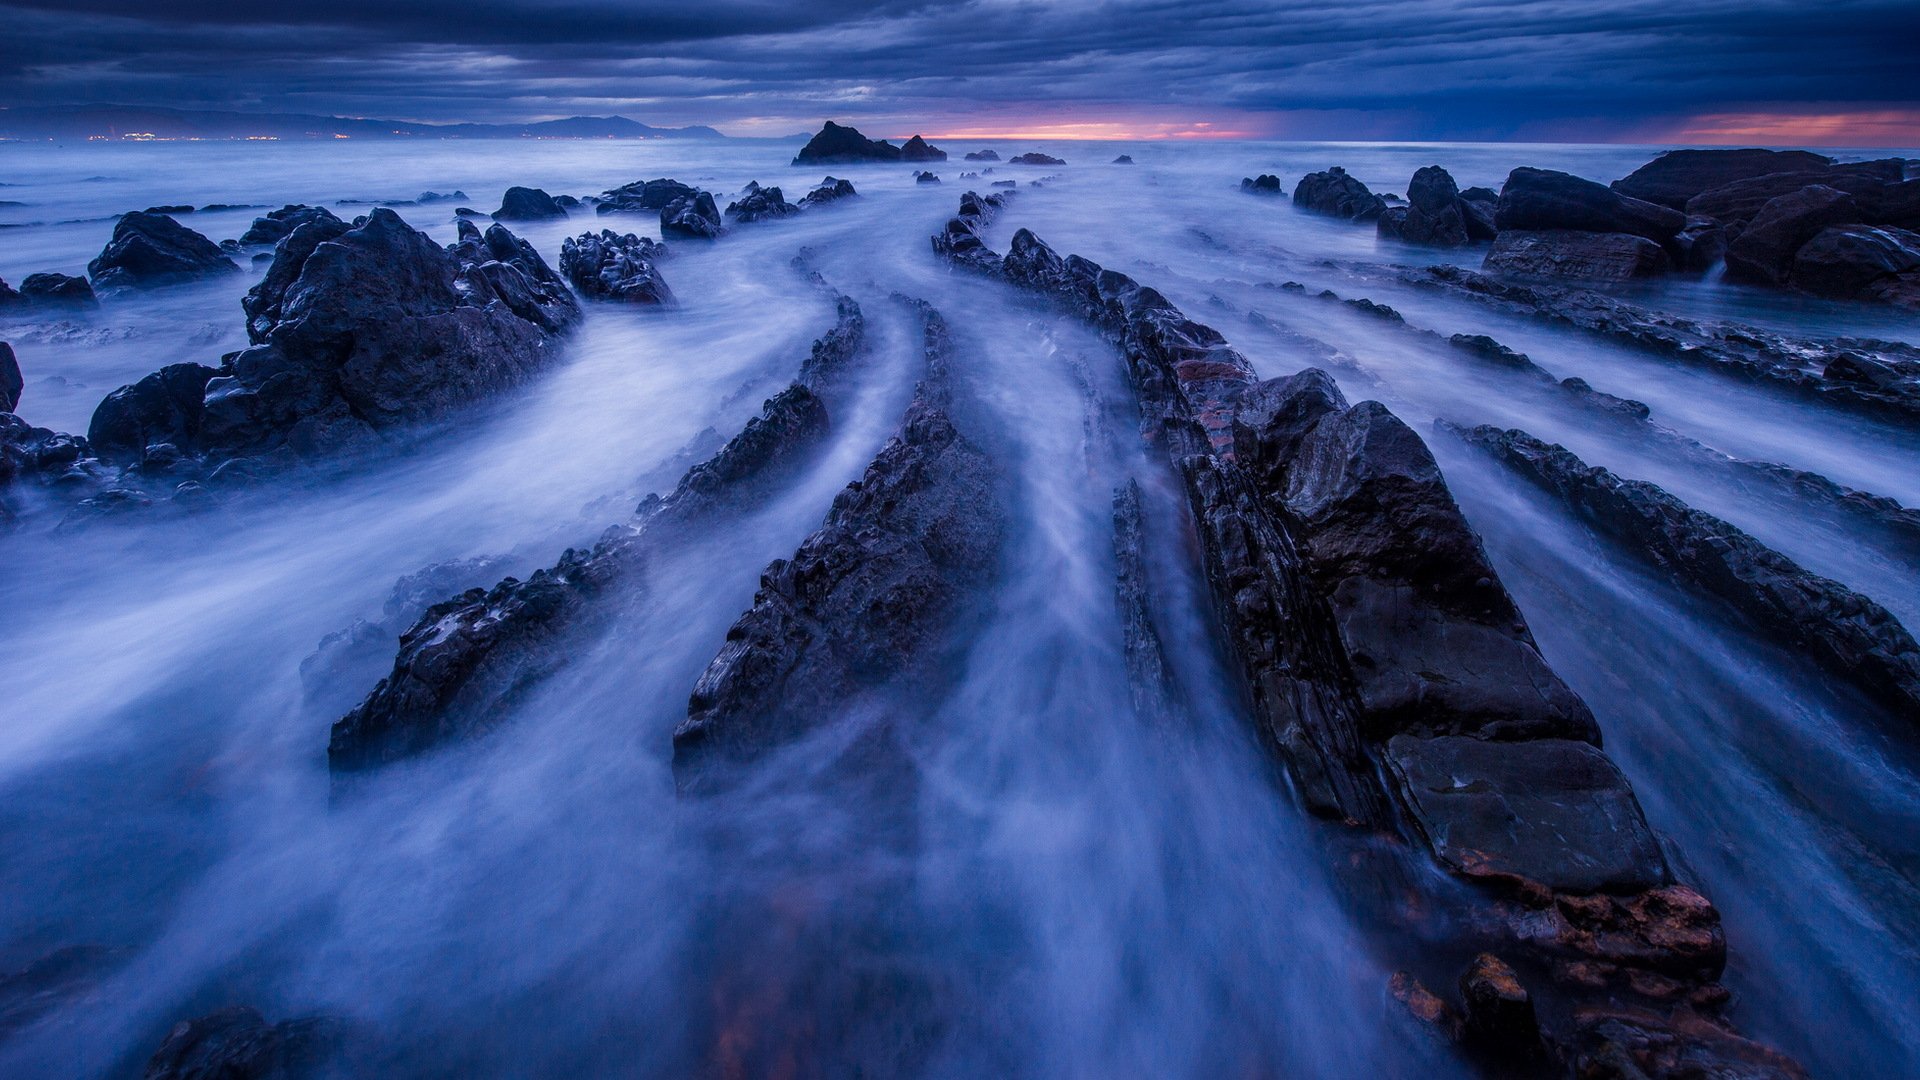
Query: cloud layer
point(1457, 69)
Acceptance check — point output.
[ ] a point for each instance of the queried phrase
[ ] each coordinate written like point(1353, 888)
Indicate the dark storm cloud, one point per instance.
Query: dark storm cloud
point(1454, 68)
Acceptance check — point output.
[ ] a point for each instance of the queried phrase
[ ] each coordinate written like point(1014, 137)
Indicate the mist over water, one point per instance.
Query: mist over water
point(1085, 894)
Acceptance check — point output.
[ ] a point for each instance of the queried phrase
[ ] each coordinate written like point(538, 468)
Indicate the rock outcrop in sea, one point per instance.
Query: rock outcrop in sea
point(153, 249)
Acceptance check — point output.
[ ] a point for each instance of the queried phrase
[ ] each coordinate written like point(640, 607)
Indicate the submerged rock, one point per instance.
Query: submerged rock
point(277, 224)
point(153, 249)
point(925, 178)
point(1264, 184)
point(1843, 631)
point(1336, 194)
point(615, 267)
point(1035, 158)
point(693, 216)
point(237, 1043)
point(1123, 159)
point(1561, 253)
point(983, 155)
point(528, 204)
point(1677, 176)
point(836, 145)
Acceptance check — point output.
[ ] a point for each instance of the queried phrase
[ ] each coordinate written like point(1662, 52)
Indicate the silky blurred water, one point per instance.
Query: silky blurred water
point(1089, 896)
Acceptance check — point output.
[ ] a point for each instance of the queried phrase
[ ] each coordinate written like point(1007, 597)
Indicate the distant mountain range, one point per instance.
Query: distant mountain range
point(134, 122)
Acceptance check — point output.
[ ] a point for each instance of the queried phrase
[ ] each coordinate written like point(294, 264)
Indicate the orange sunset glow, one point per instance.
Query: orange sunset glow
point(1090, 131)
point(1875, 127)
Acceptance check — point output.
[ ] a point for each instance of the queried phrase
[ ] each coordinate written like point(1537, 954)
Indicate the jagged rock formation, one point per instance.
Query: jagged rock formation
point(464, 661)
point(528, 204)
point(836, 145)
point(1336, 194)
point(11, 383)
point(49, 291)
point(153, 249)
point(1879, 378)
point(692, 216)
point(615, 267)
point(1149, 678)
point(862, 606)
point(237, 1043)
point(983, 155)
point(758, 204)
point(1376, 640)
point(1436, 214)
point(924, 177)
point(647, 195)
point(918, 149)
point(1264, 184)
point(276, 224)
point(1844, 631)
point(831, 190)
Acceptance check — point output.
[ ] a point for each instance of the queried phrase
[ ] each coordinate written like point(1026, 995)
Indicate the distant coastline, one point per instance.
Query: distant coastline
point(130, 123)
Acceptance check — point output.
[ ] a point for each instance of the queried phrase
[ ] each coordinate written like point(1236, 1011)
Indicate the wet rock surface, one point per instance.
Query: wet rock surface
point(49, 292)
point(1675, 177)
point(528, 204)
point(759, 204)
point(1562, 253)
point(1264, 184)
point(1845, 632)
point(611, 266)
point(464, 661)
point(642, 196)
point(1336, 194)
point(1542, 199)
point(275, 225)
point(152, 249)
point(237, 1043)
point(1435, 214)
point(694, 217)
point(830, 190)
point(1149, 678)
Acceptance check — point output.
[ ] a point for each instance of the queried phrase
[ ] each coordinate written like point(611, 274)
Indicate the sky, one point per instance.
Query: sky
point(1680, 71)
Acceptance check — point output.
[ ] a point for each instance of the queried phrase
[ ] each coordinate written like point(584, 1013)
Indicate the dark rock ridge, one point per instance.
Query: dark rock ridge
point(1879, 184)
point(1843, 631)
point(1878, 378)
point(465, 661)
point(153, 249)
point(863, 605)
point(694, 217)
point(1436, 215)
point(1336, 194)
point(759, 204)
point(615, 267)
point(11, 384)
point(1678, 175)
point(528, 204)
point(237, 1043)
point(925, 178)
point(1535, 200)
point(917, 149)
point(1035, 158)
point(1765, 249)
point(1123, 159)
point(960, 242)
point(274, 227)
point(49, 291)
point(1149, 678)
point(836, 145)
point(1561, 253)
point(831, 190)
point(983, 155)
point(1865, 261)
point(642, 195)
point(1396, 679)
point(1264, 184)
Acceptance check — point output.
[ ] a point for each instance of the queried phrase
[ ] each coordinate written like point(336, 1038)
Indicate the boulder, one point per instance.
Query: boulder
point(1737, 203)
point(1123, 159)
point(237, 1043)
point(1701, 244)
point(925, 178)
point(759, 204)
point(11, 384)
point(1552, 811)
point(1499, 1017)
point(1535, 200)
point(692, 216)
point(1764, 250)
point(614, 267)
point(830, 190)
point(153, 249)
point(1677, 176)
point(1434, 214)
point(275, 226)
point(528, 204)
point(1848, 260)
point(1558, 253)
point(652, 195)
point(57, 290)
point(1336, 194)
point(836, 145)
point(1035, 158)
point(1264, 184)
point(983, 155)
point(165, 408)
point(917, 149)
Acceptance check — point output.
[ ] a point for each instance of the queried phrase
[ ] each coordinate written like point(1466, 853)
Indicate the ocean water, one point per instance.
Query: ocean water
point(1089, 898)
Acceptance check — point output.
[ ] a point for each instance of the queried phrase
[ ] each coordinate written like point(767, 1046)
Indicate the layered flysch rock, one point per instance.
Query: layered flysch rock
point(1336, 194)
point(1845, 632)
point(863, 606)
point(615, 267)
point(1399, 683)
point(464, 662)
point(153, 249)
